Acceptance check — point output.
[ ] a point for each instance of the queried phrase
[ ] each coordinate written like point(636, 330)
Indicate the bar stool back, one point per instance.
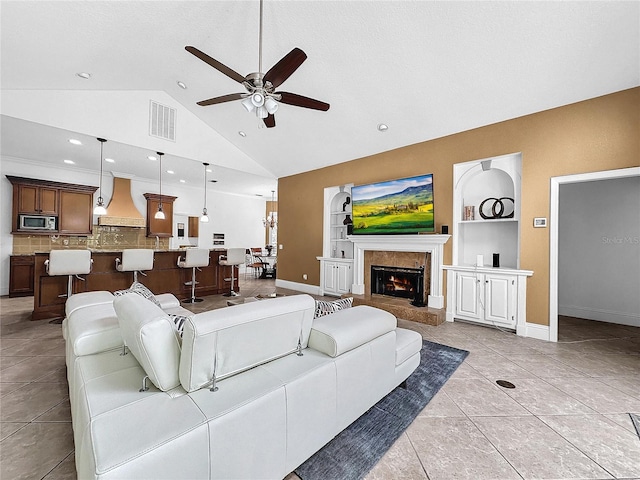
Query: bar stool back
point(234, 257)
point(134, 260)
point(71, 263)
point(194, 258)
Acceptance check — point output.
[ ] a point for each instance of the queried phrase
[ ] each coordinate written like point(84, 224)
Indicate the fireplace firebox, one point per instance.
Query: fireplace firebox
point(403, 282)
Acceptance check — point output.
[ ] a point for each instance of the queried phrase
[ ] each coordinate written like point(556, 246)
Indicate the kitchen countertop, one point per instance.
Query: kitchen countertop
point(114, 250)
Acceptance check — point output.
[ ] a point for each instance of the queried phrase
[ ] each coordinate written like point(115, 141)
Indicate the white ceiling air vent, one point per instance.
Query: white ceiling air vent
point(162, 121)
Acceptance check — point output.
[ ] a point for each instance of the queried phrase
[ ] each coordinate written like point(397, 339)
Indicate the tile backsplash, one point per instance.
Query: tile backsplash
point(103, 237)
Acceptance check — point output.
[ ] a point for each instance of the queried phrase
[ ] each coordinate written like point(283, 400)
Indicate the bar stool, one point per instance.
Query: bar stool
point(134, 260)
point(194, 258)
point(71, 263)
point(234, 257)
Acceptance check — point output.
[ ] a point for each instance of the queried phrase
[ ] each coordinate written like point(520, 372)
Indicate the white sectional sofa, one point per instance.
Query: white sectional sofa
point(249, 391)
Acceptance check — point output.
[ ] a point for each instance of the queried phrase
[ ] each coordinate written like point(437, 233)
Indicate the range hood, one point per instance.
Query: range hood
point(121, 211)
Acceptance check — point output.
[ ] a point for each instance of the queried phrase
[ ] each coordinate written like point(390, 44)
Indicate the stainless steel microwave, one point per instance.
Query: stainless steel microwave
point(37, 222)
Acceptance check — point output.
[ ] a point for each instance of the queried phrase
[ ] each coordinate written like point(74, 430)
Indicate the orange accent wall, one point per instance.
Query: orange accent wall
point(594, 135)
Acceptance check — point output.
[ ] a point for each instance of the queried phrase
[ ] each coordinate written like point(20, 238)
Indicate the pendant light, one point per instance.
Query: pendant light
point(160, 214)
point(100, 208)
point(271, 220)
point(205, 218)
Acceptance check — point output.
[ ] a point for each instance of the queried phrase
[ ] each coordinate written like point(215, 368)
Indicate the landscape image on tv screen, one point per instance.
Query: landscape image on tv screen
point(402, 206)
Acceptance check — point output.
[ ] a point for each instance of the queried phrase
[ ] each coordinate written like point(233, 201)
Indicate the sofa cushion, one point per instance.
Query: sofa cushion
point(167, 301)
point(139, 289)
point(408, 343)
point(324, 307)
point(150, 335)
point(345, 330)
point(232, 340)
point(93, 329)
point(87, 299)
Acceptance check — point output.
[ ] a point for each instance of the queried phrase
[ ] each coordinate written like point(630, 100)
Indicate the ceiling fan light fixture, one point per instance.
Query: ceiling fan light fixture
point(261, 112)
point(257, 99)
point(248, 104)
point(271, 105)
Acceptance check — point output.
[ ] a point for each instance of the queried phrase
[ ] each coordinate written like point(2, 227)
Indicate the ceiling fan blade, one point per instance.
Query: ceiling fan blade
point(270, 121)
point(222, 99)
point(300, 101)
point(232, 74)
point(285, 67)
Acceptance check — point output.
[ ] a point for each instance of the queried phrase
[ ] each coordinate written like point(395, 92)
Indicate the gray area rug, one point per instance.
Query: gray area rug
point(635, 419)
point(355, 450)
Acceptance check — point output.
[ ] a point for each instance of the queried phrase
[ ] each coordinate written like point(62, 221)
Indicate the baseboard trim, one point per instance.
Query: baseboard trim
point(540, 332)
point(300, 287)
point(600, 315)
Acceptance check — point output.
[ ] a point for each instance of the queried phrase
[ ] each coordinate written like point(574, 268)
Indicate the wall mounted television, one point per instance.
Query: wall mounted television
point(403, 206)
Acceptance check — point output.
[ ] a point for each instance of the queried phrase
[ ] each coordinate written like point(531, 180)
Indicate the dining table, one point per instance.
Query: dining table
point(268, 265)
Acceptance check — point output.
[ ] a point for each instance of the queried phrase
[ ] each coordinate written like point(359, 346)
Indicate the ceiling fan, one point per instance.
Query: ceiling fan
point(261, 96)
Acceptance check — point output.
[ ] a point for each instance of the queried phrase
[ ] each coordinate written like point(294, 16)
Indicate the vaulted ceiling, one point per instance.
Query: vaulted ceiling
point(424, 68)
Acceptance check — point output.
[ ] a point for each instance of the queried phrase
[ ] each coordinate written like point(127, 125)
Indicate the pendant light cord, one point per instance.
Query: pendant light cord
point(160, 154)
point(101, 162)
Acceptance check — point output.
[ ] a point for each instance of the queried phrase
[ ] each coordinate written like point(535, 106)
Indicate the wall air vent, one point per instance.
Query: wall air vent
point(162, 121)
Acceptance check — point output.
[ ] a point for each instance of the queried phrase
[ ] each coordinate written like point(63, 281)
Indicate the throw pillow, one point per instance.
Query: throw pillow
point(343, 303)
point(139, 289)
point(325, 308)
point(178, 321)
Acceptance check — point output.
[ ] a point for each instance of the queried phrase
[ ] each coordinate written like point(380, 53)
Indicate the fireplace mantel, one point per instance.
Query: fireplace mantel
point(434, 244)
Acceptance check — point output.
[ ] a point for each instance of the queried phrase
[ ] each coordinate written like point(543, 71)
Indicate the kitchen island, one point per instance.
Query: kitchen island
point(166, 277)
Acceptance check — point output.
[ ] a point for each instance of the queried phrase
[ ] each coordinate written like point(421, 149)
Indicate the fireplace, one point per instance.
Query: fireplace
point(403, 282)
point(432, 244)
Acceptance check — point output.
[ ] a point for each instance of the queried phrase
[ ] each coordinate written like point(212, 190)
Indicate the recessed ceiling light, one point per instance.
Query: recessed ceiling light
point(74, 141)
point(84, 75)
point(209, 170)
point(183, 180)
point(242, 134)
point(181, 85)
point(110, 160)
point(151, 157)
point(383, 127)
point(69, 162)
point(171, 172)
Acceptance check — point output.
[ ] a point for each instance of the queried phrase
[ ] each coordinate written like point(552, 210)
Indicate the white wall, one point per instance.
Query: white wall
point(599, 250)
point(238, 217)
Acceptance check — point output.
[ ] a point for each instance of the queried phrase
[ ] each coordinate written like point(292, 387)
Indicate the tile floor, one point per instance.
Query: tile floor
point(567, 418)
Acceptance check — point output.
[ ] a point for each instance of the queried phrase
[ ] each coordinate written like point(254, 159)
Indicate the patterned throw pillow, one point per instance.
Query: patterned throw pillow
point(325, 308)
point(178, 321)
point(140, 289)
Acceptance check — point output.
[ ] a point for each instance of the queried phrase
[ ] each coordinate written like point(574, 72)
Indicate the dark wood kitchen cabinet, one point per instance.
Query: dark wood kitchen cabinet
point(157, 227)
point(72, 204)
point(39, 200)
point(21, 268)
point(76, 212)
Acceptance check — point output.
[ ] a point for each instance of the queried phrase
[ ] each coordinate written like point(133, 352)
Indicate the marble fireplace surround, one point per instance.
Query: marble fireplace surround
point(421, 244)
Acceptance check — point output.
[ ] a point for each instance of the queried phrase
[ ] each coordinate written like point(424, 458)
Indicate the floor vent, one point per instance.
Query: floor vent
point(162, 121)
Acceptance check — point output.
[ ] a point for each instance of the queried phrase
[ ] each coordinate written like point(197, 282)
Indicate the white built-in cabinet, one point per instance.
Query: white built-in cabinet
point(336, 262)
point(476, 290)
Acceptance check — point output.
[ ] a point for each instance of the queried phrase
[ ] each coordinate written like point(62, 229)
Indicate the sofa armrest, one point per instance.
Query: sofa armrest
point(339, 332)
point(167, 300)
